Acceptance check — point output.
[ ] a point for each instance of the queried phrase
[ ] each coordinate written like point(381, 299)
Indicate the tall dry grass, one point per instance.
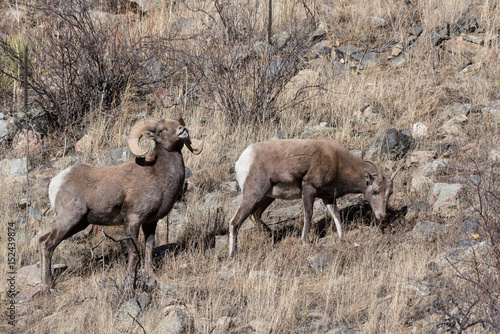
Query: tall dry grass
point(272, 285)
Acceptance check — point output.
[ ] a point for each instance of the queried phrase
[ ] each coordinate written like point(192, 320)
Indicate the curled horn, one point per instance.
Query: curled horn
point(139, 130)
point(194, 150)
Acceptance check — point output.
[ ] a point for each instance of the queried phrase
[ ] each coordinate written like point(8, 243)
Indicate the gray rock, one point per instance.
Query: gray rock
point(378, 22)
point(11, 167)
point(494, 155)
point(415, 209)
point(425, 176)
point(393, 144)
point(223, 325)
point(4, 129)
point(467, 25)
point(117, 156)
point(493, 109)
point(473, 39)
point(321, 49)
point(152, 70)
point(415, 31)
point(144, 299)
point(319, 261)
point(315, 131)
point(457, 109)
point(422, 288)
point(28, 276)
point(176, 322)
point(445, 199)
point(222, 245)
point(469, 232)
point(319, 33)
point(328, 68)
point(399, 60)
point(427, 230)
point(124, 318)
point(184, 26)
point(63, 162)
point(366, 58)
point(437, 38)
point(280, 39)
point(347, 50)
point(226, 272)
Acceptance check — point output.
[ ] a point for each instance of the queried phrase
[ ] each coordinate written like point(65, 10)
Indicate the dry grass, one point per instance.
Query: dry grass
point(272, 285)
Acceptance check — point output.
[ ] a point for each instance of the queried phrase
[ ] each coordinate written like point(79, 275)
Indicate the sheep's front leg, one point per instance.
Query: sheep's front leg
point(149, 237)
point(308, 195)
point(132, 231)
point(331, 205)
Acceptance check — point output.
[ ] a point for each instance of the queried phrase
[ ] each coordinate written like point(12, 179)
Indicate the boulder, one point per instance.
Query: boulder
point(9, 167)
point(176, 322)
point(446, 199)
point(393, 145)
point(126, 316)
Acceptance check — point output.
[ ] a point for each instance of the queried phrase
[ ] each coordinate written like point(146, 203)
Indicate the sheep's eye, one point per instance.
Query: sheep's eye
point(375, 193)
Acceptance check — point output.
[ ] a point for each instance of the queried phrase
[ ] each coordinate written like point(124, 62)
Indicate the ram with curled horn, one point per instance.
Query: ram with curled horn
point(136, 194)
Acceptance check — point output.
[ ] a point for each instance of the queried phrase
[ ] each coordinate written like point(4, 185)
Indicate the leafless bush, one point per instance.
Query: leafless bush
point(83, 60)
point(242, 74)
point(472, 296)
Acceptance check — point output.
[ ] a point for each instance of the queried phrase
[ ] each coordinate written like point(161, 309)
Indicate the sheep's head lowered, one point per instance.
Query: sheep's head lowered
point(379, 188)
point(134, 194)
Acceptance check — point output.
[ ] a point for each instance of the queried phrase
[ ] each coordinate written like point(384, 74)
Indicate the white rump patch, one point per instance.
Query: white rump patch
point(243, 165)
point(55, 185)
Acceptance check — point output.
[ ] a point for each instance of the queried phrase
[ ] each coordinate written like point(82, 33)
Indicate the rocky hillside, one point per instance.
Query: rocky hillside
point(401, 83)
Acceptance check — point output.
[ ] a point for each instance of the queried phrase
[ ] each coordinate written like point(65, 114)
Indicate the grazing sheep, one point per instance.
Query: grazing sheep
point(304, 168)
point(135, 194)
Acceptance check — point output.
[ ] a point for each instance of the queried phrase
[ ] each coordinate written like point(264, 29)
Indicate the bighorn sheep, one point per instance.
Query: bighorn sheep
point(304, 168)
point(136, 193)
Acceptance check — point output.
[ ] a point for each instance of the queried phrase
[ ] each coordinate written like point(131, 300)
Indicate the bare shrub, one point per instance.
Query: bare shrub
point(472, 295)
point(239, 72)
point(83, 60)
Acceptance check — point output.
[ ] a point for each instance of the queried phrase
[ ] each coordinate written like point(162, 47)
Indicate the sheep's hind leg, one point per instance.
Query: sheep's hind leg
point(48, 243)
point(248, 204)
point(308, 196)
point(149, 237)
point(257, 214)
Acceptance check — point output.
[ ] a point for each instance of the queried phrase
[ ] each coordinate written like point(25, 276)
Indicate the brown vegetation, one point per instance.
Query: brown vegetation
point(95, 67)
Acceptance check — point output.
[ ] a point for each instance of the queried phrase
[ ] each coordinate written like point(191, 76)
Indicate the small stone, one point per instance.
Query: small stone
point(415, 31)
point(494, 155)
point(428, 230)
point(176, 322)
point(445, 199)
point(318, 262)
point(84, 144)
point(420, 157)
point(420, 130)
point(126, 315)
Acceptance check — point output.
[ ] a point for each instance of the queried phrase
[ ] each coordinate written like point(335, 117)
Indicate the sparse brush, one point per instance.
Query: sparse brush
point(98, 67)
